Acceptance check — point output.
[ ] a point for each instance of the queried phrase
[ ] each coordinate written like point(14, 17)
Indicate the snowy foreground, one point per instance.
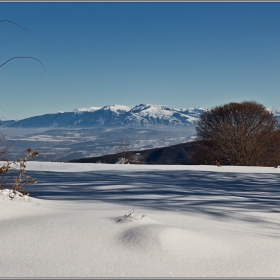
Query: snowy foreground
point(97, 220)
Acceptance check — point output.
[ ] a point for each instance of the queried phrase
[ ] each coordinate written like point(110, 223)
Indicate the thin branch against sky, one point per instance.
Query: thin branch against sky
point(29, 57)
point(10, 21)
point(16, 57)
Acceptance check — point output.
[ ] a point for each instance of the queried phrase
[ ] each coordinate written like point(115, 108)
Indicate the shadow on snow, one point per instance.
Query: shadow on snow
point(217, 194)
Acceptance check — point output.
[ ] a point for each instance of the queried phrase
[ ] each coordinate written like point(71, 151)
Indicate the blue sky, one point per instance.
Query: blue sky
point(176, 54)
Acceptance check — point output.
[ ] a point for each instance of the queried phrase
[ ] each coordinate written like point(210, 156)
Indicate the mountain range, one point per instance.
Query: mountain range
point(143, 115)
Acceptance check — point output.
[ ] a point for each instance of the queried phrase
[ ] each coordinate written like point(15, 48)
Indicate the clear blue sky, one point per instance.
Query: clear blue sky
point(176, 54)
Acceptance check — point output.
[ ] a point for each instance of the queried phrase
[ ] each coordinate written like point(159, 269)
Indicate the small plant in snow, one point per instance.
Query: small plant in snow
point(130, 217)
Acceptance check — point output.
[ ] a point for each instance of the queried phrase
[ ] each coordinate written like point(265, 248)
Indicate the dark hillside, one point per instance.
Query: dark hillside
point(175, 154)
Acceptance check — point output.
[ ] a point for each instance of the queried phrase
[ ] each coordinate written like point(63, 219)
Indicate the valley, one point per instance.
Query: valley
point(66, 144)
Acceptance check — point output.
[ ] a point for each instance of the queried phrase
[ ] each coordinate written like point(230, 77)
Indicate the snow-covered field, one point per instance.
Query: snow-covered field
point(97, 220)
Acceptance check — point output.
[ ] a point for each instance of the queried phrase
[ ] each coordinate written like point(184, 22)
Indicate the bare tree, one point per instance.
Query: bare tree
point(122, 149)
point(238, 134)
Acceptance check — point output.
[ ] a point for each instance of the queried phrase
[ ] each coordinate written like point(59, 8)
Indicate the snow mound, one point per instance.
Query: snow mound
point(147, 233)
point(143, 237)
point(177, 241)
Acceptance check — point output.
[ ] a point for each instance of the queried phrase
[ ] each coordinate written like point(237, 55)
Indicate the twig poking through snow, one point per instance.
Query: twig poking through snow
point(130, 217)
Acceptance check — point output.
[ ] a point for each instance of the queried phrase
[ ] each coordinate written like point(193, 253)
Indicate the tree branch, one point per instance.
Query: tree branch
point(30, 57)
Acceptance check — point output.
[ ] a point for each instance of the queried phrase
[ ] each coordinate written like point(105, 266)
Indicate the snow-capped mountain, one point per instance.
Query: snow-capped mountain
point(143, 115)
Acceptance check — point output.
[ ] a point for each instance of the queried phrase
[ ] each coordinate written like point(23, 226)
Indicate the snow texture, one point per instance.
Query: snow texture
point(98, 220)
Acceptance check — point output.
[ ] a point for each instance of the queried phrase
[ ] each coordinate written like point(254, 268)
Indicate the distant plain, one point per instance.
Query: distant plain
point(66, 144)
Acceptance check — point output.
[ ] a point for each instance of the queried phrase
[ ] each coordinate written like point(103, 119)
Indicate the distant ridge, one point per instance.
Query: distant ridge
point(143, 115)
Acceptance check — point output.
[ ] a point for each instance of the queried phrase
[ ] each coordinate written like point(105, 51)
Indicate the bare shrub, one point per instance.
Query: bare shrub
point(13, 175)
point(238, 134)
